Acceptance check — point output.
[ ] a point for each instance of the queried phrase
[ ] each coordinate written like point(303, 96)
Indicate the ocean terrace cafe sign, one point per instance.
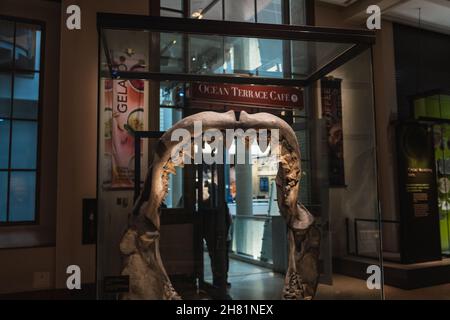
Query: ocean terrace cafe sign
point(253, 95)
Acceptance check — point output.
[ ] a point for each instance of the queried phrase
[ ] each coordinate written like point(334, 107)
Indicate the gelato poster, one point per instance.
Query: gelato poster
point(332, 113)
point(124, 111)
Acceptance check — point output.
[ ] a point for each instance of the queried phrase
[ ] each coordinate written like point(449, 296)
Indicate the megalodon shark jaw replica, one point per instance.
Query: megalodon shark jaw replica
point(140, 243)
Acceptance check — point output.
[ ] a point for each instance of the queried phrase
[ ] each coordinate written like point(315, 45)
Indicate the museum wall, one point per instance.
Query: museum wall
point(77, 157)
point(27, 252)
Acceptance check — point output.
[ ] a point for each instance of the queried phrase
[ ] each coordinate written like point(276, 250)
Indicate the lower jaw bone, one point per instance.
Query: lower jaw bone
point(140, 243)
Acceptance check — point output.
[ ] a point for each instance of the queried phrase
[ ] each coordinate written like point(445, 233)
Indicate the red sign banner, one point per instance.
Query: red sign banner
point(254, 95)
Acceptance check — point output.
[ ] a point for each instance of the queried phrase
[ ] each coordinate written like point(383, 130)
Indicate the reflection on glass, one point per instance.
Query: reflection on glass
point(171, 95)
point(209, 187)
point(207, 9)
point(305, 184)
point(269, 11)
point(171, 53)
point(214, 55)
point(172, 4)
point(26, 95)
point(207, 55)
point(6, 43)
point(243, 10)
point(310, 56)
point(271, 52)
point(167, 13)
point(129, 49)
point(28, 47)
point(22, 196)
point(4, 143)
point(5, 95)
point(3, 194)
point(168, 117)
point(174, 199)
point(298, 12)
point(24, 145)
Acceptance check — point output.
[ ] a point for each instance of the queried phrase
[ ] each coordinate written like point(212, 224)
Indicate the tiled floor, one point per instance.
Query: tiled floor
point(250, 282)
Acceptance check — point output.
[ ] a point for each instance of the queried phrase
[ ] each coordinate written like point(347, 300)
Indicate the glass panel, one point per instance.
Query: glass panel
point(22, 196)
point(3, 195)
point(207, 55)
point(5, 95)
point(6, 43)
point(168, 117)
point(298, 12)
point(243, 10)
point(269, 11)
point(26, 96)
point(4, 143)
point(308, 57)
point(271, 52)
point(172, 4)
point(171, 51)
point(167, 13)
point(207, 9)
point(171, 95)
point(129, 50)
point(214, 55)
point(24, 145)
point(28, 46)
point(343, 170)
point(174, 199)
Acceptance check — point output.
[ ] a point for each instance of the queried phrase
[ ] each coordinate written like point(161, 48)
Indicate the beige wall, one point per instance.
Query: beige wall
point(77, 157)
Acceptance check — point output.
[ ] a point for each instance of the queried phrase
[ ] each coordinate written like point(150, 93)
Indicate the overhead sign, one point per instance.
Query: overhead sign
point(254, 95)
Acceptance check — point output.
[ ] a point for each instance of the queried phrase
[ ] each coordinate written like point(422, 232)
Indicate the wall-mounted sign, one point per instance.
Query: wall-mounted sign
point(252, 95)
point(332, 113)
point(419, 216)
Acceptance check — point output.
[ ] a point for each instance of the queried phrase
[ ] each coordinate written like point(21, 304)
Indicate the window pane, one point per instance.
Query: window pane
point(28, 46)
point(24, 145)
point(6, 43)
point(5, 94)
point(168, 117)
point(243, 10)
point(3, 195)
point(172, 4)
point(22, 196)
point(201, 9)
point(207, 54)
point(171, 95)
point(298, 12)
point(171, 52)
point(167, 13)
point(26, 95)
point(4, 143)
point(269, 11)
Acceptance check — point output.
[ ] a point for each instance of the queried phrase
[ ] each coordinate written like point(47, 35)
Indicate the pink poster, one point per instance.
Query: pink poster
point(126, 99)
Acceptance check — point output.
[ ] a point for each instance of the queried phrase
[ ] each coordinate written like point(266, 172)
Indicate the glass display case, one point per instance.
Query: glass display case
point(151, 70)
